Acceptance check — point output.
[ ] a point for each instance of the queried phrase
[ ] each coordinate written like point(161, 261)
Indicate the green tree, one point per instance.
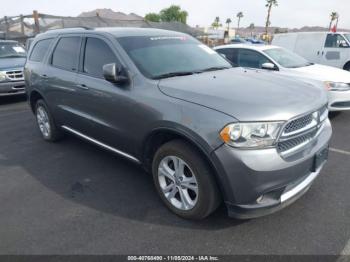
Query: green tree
point(334, 16)
point(216, 24)
point(228, 22)
point(269, 5)
point(173, 13)
point(239, 16)
point(152, 17)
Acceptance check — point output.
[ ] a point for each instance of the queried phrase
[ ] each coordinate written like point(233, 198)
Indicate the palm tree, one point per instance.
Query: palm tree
point(228, 22)
point(239, 16)
point(269, 5)
point(251, 27)
point(334, 16)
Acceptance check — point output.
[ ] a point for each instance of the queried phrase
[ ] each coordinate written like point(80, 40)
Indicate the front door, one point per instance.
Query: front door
point(336, 51)
point(106, 105)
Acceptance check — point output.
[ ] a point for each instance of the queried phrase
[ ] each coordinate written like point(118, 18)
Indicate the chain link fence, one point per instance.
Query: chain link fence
point(23, 27)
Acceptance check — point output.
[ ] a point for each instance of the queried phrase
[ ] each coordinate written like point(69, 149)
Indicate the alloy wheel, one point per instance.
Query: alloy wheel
point(43, 121)
point(178, 182)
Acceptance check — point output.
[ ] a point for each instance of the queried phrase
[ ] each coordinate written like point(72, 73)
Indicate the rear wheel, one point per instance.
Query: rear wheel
point(184, 181)
point(347, 66)
point(46, 123)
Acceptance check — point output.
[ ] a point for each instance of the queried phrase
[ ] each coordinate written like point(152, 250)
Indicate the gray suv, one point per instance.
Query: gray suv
point(209, 133)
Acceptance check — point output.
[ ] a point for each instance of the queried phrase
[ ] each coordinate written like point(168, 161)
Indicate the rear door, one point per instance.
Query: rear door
point(61, 76)
point(310, 46)
point(336, 51)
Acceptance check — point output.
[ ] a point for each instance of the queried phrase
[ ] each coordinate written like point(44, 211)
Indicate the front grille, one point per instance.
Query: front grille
point(294, 142)
point(299, 132)
point(15, 75)
point(297, 124)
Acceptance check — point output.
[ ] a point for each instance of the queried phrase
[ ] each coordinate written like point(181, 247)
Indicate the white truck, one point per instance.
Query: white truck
point(332, 49)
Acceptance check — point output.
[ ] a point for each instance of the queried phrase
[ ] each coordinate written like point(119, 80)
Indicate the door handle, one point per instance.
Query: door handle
point(44, 76)
point(82, 86)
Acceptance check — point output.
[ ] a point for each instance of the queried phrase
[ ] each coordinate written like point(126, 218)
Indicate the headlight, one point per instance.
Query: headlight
point(333, 86)
point(251, 135)
point(2, 76)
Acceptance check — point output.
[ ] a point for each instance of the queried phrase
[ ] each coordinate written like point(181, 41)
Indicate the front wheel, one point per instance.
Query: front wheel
point(184, 181)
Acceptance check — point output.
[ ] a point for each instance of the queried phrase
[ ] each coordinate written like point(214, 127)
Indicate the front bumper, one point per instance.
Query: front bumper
point(339, 101)
point(260, 182)
point(12, 88)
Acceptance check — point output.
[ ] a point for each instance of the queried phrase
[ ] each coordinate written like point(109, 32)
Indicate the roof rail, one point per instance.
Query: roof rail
point(69, 28)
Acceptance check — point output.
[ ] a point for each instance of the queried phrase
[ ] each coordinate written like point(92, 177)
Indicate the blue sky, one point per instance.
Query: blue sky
point(289, 13)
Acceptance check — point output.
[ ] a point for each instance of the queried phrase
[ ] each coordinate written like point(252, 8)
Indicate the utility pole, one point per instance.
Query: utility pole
point(7, 27)
point(36, 22)
point(22, 24)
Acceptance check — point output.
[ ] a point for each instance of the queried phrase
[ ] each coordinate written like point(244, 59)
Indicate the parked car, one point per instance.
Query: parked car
point(283, 62)
point(238, 40)
point(205, 130)
point(12, 60)
point(255, 41)
point(324, 48)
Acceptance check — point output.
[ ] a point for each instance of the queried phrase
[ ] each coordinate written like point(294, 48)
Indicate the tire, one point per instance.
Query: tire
point(193, 192)
point(347, 66)
point(46, 124)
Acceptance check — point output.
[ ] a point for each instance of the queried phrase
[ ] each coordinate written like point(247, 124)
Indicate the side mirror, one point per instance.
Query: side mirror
point(115, 74)
point(268, 66)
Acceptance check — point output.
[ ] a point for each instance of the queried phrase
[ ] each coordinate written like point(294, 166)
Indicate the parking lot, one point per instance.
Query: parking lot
point(74, 198)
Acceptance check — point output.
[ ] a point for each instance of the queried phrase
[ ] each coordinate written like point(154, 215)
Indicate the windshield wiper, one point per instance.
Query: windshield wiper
point(174, 74)
point(12, 56)
point(214, 68)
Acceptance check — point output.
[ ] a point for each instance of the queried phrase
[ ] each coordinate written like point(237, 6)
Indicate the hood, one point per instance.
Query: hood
point(323, 73)
point(12, 63)
point(247, 95)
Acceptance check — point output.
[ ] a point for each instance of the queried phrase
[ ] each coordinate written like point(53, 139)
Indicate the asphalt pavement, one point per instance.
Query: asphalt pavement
point(72, 197)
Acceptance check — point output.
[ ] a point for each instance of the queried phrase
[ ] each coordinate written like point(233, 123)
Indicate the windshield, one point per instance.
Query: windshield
point(347, 37)
point(167, 56)
point(286, 58)
point(11, 50)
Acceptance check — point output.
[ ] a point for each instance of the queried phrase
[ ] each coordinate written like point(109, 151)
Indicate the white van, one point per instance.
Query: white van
point(332, 49)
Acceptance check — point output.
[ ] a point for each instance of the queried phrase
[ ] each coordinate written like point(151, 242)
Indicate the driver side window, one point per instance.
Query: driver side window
point(251, 59)
point(97, 54)
point(335, 41)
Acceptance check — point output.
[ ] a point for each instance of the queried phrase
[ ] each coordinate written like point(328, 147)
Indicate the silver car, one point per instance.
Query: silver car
point(281, 61)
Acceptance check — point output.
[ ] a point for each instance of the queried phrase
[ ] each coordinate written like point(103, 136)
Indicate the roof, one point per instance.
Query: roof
point(116, 31)
point(313, 32)
point(248, 46)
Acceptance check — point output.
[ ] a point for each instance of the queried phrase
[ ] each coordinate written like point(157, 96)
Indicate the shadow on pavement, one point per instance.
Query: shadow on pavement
point(90, 176)
point(5, 100)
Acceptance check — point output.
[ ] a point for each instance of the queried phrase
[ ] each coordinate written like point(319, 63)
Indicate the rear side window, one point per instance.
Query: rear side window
point(66, 53)
point(97, 54)
point(335, 41)
point(231, 54)
point(39, 50)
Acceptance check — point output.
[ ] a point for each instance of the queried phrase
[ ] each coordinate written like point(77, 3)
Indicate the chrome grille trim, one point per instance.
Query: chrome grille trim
point(299, 132)
point(15, 75)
